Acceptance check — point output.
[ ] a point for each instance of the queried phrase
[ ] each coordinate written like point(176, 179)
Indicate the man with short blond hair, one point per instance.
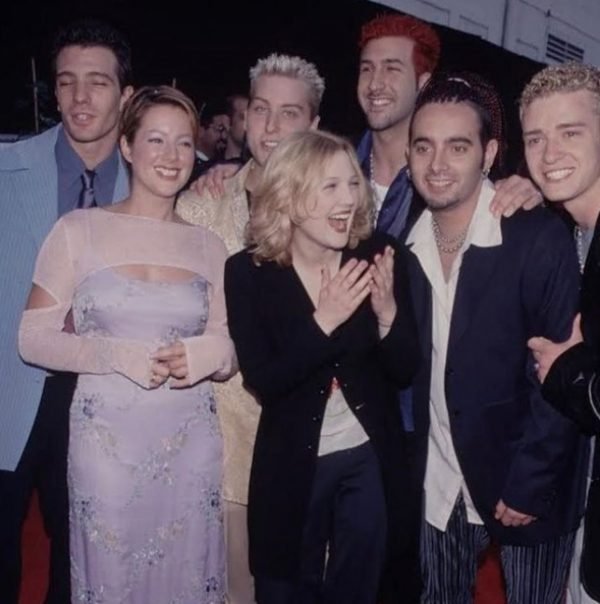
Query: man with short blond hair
point(285, 96)
point(560, 117)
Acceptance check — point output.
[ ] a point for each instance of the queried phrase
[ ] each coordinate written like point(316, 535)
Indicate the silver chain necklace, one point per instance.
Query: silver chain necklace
point(579, 244)
point(372, 171)
point(447, 245)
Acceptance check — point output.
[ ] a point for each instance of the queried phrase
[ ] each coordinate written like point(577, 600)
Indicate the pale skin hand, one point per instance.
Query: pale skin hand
point(382, 290)
point(341, 296)
point(512, 194)
point(213, 180)
point(172, 359)
point(545, 352)
point(159, 374)
point(509, 517)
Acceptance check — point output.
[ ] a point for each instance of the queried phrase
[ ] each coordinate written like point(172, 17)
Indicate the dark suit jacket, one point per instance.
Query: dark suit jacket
point(510, 443)
point(289, 363)
point(573, 387)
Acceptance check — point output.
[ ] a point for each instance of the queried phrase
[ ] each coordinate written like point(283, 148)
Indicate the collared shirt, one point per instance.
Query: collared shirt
point(71, 167)
point(394, 209)
point(379, 193)
point(201, 155)
point(443, 476)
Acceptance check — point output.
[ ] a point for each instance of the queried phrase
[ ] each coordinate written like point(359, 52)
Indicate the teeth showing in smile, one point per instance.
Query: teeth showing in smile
point(270, 144)
point(380, 102)
point(555, 175)
point(439, 182)
point(82, 117)
point(339, 221)
point(167, 172)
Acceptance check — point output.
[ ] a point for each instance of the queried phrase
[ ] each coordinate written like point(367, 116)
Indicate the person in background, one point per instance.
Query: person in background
point(150, 331)
point(237, 104)
point(74, 164)
point(212, 136)
point(321, 318)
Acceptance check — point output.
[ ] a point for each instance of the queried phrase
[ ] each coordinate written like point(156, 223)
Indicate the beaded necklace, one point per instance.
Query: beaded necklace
point(448, 245)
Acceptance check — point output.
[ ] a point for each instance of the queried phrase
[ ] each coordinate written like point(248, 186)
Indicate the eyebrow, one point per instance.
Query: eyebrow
point(453, 139)
point(93, 74)
point(460, 139)
point(386, 61)
point(285, 105)
point(563, 126)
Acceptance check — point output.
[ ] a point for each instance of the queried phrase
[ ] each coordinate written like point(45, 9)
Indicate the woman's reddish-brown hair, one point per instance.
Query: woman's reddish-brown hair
point(426, 52)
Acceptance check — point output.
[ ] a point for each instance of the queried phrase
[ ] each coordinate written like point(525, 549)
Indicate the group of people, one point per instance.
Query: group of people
point(338, 378)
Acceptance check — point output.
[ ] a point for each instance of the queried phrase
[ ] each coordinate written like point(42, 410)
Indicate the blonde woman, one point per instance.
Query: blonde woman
point(319, 311)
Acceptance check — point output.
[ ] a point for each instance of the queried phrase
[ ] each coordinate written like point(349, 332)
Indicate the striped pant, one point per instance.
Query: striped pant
point(533, 575)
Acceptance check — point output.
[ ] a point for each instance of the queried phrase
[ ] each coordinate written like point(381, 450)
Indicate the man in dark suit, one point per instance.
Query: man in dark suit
point(561, 129)
point(74, 164)
point(496, 461)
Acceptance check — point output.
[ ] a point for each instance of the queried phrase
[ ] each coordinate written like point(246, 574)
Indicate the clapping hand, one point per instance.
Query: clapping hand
point(383, 301)
point(341, 295)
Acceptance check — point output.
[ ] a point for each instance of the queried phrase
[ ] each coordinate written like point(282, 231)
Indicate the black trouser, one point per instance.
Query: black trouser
point(43, 465)
point(401, 582)
point(347, 518)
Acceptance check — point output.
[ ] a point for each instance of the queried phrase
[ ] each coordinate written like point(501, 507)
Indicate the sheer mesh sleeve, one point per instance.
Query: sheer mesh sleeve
point(41, 339)
point(87, 241)
point(213, 354)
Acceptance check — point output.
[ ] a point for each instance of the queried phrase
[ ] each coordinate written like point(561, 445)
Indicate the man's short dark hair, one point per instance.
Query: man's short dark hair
point(92, 32)
point(210, 109)
point(231, 99)
point(478, 93)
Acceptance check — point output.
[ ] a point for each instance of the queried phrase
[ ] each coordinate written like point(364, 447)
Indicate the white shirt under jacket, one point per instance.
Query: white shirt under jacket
point(443, 476)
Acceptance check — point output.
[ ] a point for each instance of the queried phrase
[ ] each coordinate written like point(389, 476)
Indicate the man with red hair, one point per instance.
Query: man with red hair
point(398, 55)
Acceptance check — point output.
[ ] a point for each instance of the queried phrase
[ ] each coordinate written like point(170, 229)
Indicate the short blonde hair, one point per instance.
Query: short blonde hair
point(281, 197)
point(567, 77)
point(295, 68)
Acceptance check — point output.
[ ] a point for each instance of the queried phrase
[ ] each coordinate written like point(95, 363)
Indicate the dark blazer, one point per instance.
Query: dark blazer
point(573, 387)
point(289, 363)
point(510, 443)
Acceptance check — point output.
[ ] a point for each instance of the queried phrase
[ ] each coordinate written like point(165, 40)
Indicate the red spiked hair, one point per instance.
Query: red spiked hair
point(426, 52)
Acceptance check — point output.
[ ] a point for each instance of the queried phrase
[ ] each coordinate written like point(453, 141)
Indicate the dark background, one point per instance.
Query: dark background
point(209, 45)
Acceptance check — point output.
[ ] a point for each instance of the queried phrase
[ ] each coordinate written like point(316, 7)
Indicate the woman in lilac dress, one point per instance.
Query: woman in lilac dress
point(146, 293)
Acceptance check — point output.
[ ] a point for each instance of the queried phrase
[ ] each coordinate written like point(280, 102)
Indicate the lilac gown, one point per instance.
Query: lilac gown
point(144, 465)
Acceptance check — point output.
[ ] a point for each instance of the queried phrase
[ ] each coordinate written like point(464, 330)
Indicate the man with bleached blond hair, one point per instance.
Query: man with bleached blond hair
point(285, 96)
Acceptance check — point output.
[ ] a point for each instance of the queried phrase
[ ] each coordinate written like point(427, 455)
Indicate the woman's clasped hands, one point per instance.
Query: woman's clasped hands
point(170, 363)
point(342, 294)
